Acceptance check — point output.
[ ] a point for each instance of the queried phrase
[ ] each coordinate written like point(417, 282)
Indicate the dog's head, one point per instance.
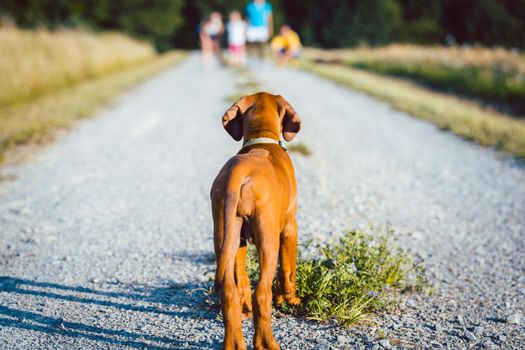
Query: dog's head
point(261, 115)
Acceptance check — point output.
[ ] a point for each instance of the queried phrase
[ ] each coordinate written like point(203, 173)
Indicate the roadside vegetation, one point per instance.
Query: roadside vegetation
point(466, 118)
point(352, 278)
point(50, 79)
point(494, 75)
point(40, 61)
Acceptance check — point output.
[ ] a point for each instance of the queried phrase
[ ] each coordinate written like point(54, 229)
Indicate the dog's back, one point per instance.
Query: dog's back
point(254, 197)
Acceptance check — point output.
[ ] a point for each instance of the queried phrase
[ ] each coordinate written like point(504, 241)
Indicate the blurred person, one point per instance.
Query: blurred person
point(236, 28)
point(260, 25)
point(205, 41)
point(215, 30)
point(286, 46)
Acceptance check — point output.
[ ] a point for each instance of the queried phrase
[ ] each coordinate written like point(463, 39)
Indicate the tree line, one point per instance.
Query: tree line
point(326, 23)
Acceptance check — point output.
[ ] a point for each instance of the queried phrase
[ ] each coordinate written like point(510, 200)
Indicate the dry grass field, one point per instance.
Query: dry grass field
point(49, 79)
point(36, 62)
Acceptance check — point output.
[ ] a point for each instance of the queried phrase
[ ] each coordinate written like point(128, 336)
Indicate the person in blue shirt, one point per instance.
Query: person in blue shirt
point(260, 24)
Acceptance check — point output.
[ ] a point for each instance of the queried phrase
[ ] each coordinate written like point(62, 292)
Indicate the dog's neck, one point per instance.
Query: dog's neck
point(262, 140)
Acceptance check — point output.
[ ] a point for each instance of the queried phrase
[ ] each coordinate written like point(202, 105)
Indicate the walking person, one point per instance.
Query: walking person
point(260, 25)
point(205, 41)
point(236, 28)
point(215, 30)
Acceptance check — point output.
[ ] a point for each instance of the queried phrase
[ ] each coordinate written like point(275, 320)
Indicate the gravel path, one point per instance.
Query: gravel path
point(106, 238)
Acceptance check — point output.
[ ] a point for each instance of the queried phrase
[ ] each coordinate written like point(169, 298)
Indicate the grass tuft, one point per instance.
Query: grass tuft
point(351, 279)
point(246, 85)
point(300, 148)
point(355, 277)
point(233, 97)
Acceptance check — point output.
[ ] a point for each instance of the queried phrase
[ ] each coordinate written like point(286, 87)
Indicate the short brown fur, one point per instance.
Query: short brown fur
point(254, 199)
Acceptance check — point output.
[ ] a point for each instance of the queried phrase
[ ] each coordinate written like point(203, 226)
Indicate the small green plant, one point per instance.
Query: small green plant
point(233, 97)
point(352, 278)
point(246, 85)
point(249, 84)
point(300, 148)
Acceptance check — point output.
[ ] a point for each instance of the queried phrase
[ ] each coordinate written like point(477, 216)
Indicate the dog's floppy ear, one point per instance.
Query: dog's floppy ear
point(232, 119)
point(291, 120)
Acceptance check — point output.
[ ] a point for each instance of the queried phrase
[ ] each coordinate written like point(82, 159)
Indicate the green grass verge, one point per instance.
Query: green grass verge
point(494, 84)
point(34, 120)
point(464, 118)
point(351, 279)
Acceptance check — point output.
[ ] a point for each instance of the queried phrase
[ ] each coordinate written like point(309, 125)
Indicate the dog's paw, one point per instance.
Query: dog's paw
point(288, 298)
point(234, 343)
point(292, 300)
point(266, 343)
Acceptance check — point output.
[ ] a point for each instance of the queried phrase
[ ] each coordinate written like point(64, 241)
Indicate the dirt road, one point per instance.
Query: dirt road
point(106, 240)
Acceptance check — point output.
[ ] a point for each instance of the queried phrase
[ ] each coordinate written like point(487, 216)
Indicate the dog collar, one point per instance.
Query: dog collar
point(259, 140)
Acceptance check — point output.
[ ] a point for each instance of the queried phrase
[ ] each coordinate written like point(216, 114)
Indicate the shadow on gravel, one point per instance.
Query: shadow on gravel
point(177, 300)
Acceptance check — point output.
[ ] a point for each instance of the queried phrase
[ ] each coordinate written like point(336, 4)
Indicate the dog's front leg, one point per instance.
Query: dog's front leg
point(267, 243)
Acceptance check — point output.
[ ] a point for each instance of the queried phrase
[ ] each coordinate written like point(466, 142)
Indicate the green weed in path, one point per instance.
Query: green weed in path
point(300, 148)
point(352, 278)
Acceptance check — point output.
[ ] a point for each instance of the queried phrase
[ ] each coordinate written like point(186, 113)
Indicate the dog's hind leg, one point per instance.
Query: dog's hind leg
point(267, 242)
point(287, 268)
point(243, 281)
point(230, 297)
point(225, 282)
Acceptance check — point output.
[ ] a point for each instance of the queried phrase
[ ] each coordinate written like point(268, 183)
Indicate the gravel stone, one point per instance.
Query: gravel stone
point(385, 344)
point(514, 318)
point(460, 319)
point(470, 336)
point(478, 330)
point(126, 196)
point(489, 345)
point(438, 328)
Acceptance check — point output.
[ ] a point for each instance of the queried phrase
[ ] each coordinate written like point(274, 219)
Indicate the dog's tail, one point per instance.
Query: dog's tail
point(232, 234)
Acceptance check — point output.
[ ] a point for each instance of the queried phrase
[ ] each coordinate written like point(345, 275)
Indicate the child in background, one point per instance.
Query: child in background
point(260, 25)
point(286, 45)
point(205, 41)
point(215, 30)
point(236, 39)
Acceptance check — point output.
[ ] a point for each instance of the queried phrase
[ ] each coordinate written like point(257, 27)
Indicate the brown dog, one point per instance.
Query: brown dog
point(254, 199)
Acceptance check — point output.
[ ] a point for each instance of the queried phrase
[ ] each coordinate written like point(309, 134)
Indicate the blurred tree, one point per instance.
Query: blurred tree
point(394, 18)
point(328, 23)
point(489, 22)
point(421, 21)
point(157, 20)
point(334, 23)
